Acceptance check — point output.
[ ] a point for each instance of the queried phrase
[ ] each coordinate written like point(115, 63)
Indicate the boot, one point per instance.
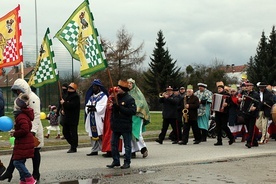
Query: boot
point(58, 136)
point(47, 136)
point(30, 180)
point(6, 175)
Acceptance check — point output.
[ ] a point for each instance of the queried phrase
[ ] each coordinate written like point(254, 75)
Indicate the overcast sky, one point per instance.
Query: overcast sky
point(195, 31)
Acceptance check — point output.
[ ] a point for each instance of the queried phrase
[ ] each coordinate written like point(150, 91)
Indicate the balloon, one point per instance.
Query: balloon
point(12, 141)
point(42, 115)
point(6, 123)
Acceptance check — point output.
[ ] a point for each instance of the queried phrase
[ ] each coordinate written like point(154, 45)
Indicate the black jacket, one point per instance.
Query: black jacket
point(268, 100)
point(121, 119)
point(170, 105)
point(71, 108)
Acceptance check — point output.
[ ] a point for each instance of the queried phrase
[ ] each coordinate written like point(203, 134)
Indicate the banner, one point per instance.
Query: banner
point(10, 39)
point(81, 39)
point(45, 71)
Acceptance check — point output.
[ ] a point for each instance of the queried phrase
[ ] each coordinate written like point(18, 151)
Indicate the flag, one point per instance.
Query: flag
point(45, 71)
point(10, 39)
point(81, 39)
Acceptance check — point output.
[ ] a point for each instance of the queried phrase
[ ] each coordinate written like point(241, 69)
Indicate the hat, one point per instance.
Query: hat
point(22, 101)
point(243, 84)
point(73, 85)
point(202, 85)
point(53, 107)
point(131, 80)
point(97, 82)
point(190, 86)
point(261, 85)
point(234, 87)
point(169, 88)
point(175, 89)
point(123, 85)
point(244, 76)
point(182, 88)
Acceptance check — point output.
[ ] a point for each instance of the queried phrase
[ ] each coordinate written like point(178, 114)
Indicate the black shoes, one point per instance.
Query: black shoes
point(144, 152)
point(6, 175)
point(112, 165)
point(218, 144)
point(174, 142)
point(125, 166)
point(248, 145)
point(231, 141)
point(92, 154)
point(72, 150)
point(182, 143)
point(159, 141)
point(107, 154)
point(197, 142)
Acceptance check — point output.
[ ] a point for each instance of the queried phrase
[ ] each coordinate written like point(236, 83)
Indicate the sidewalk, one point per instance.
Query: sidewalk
point(57, 165)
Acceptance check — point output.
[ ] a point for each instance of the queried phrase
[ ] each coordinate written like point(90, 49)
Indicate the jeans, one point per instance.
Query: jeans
point(23, 171)
point(115, 144)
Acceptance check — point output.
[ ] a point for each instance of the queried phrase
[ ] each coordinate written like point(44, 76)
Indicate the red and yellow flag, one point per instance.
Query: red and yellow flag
point(10, 39)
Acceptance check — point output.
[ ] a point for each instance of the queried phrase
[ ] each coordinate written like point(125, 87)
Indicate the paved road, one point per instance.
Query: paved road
point(166, 163)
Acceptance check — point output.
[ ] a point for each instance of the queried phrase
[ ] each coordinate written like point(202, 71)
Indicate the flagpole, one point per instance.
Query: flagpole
point(36, 32)
point(72, 69)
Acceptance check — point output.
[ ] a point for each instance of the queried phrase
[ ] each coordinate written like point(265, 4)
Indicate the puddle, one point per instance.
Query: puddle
point(87, 181)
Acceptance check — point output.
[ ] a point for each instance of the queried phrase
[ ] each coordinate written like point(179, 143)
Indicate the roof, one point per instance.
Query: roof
point(8, 79)
point(233, 68)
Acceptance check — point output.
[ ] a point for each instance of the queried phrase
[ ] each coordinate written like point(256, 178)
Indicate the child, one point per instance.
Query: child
point(53, 120)
point(24, 139)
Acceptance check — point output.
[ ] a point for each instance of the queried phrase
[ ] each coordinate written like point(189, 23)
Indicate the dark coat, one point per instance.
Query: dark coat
point(121, 118)
point(170, 105)
point(71, 108)
point(193, 102)
point(248, 102)
point(267, 99)
point(24, 139)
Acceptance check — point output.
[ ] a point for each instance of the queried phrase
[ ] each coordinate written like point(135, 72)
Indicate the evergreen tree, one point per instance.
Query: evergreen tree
point(162, 72)
point(262, 65)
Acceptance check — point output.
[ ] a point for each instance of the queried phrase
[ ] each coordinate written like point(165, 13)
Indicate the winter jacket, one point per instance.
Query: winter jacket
point(34, 103)
point(71, 107)
point(121, 119)
point(24, 139)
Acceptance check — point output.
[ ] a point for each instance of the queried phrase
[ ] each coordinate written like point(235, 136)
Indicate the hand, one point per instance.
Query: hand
point(61, 101)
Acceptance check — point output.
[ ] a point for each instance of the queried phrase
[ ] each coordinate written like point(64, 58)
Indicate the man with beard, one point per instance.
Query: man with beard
point(71, 111)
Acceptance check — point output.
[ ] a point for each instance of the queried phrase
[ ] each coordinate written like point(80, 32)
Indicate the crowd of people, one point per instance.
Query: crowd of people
point(116, 118)
point(241, 112)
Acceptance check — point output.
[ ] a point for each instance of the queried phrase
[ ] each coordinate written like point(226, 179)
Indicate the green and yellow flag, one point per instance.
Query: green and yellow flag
point(81, 39)
point(45, 71)
point(10, 39)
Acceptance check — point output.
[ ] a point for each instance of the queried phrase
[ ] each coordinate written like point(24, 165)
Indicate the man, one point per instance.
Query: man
point(190, 104)
point(205, 101)
point(71, 111)
point(221, 116)
point(64, 91)
point(123, 108)
point(265, 105)
point(95, 100)
point(250, 110)
point(139, 120)
point(169, 113)
point(21, 86)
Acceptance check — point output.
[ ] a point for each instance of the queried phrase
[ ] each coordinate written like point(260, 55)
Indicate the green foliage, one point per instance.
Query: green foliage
point(260, 66)
point(162, 72)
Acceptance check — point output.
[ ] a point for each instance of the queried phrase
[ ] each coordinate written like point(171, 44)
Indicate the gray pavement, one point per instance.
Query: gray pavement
point(58, 166)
